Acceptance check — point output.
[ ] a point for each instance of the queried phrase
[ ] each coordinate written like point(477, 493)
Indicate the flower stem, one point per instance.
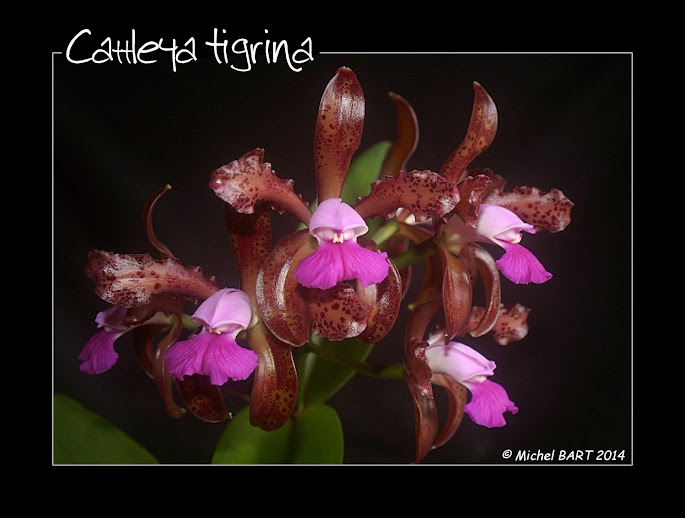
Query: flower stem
point(415, 254)
point(376, 371)
point(386, 232)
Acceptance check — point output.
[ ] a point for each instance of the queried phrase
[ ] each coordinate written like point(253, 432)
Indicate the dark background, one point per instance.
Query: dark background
point(565, 121)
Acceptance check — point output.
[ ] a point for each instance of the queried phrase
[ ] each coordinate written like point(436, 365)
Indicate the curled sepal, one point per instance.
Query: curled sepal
point(456, 399)
point(489, 273)
point(134, 279)
point(549, 211)
point(336, 312)
point(457, 290)
point(418, 378)
point(274, 389)
point(147, 218)
point(204, 400)
point(406, 137)
point(96, 258)
point(381, 301)
point(246, 181)
point(160, 374)
point(338, 132)
point(424, 193)
point(480, 134)
point(280, 298)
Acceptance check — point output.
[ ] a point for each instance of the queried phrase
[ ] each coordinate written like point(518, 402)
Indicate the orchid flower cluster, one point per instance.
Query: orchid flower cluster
point(341, 276)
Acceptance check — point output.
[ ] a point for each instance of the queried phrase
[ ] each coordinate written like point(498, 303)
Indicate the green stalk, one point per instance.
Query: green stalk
point(377, 371)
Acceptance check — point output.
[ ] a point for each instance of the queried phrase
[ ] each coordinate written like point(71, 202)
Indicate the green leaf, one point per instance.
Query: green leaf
point(313, 437)
point(83, 437)
point(364, 170)
point(326, 377)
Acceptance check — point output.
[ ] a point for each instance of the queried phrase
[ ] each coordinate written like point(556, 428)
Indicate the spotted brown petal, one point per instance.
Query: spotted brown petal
point(336, 313)
point(511, 325)
point(280, 298)
point(406, 138)
point(549, 211)
point(204, 400)
point(134, 279)
point(424, 193)
point(246, 181)
point(479, 136)
point(338, 132)
point(381, 301)
point(489, 274)
point(275, 385)
point(456, 399)
point(457, 291)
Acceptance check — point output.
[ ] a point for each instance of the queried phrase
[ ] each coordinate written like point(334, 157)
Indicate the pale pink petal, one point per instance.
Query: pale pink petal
point(459, 361)
point(489, 402)
point(500, 225)
point(335, 262)
point(519, 265)
point(333, 214)
point(98, 354)
point(227, 311)
point(215, 355)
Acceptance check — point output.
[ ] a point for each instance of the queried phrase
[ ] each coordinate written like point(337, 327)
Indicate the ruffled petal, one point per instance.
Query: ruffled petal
point(227, 311)
point(488, 403)
point(459, 361)
point(98, 354)
point(215, 355)
point(519, 265)
point(335, 262)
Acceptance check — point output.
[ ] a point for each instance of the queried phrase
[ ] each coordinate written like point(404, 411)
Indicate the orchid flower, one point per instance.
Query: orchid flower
point(148, 297)
point(489, 400)
point(501, 227)
point(98, 354)
point(339, 257)
point(303, 278)
point(214, 351)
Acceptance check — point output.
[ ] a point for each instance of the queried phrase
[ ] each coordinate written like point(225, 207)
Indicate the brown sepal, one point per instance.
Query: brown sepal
point(406, 138)
point(381, 301)
point(489, 273)
point(479, 136)
point(282, 301)
point(338, 132)
point(424, 193)
point(251, 242)
point(134, 279)
point(418, 378)
point(337, 312)
point(456, 399)
point(96, 258)
point(549, 211)
point(275, 385)
point(246, 181)
point(457, 290)
point(147, 219)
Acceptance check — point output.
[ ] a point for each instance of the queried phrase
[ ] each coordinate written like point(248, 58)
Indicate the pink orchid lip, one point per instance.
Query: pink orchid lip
point(335, 221)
